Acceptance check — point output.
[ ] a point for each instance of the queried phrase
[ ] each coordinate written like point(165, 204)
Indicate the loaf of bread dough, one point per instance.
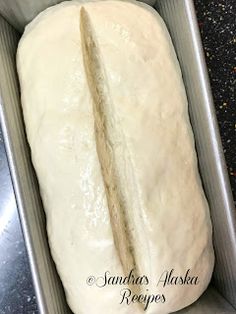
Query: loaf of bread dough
point(107, 122)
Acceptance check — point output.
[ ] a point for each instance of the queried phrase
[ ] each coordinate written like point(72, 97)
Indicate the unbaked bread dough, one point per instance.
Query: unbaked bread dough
point(107, 121)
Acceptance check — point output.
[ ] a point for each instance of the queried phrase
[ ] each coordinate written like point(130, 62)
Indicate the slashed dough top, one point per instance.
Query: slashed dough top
point(154, 153)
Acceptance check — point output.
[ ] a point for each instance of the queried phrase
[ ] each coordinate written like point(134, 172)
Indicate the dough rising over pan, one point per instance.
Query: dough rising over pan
point(106, 116)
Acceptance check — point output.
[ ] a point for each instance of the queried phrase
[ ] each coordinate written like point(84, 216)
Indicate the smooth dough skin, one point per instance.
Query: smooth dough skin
point(107, 121)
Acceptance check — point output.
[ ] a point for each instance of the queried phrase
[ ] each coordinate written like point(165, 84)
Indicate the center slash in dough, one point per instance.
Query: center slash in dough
point(106, 139)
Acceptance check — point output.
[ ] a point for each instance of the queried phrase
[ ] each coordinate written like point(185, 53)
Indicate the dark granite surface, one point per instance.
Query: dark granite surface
point(218, 30)
point(217, 22)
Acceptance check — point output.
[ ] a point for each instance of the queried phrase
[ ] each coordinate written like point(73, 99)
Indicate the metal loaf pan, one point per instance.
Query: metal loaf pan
point(180, 18)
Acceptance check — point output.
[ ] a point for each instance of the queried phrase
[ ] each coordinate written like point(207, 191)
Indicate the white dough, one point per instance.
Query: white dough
point(152, 149)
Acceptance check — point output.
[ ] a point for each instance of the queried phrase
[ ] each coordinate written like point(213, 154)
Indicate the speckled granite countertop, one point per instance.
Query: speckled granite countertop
point(218, 30)
point(217, 22)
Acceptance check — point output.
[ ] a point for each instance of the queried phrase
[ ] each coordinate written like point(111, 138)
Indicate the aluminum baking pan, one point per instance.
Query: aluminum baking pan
point(180, 18)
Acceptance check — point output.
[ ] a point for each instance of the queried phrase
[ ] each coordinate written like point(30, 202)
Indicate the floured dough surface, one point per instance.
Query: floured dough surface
point(124, 147)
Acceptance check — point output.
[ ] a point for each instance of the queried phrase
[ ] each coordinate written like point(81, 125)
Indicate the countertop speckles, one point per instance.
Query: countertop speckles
point(217, 22)
point(218, 30)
